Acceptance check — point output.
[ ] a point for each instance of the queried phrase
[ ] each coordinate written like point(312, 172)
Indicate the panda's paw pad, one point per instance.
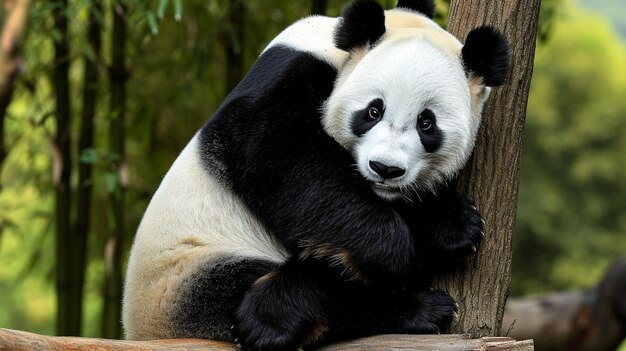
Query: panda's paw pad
point(433, 312)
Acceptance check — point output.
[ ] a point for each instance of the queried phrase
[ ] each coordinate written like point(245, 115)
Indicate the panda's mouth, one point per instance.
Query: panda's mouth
point(386, 186)
point(386, 191)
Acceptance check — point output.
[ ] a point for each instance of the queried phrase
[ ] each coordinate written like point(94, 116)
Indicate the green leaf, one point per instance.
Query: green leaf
point(111, 181)
point(152, 23)
point(89, 156)
point(162, 7)
point(178, 9)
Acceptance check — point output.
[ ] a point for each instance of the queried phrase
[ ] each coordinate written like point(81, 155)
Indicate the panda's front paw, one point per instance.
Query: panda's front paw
point(431, 312)
point(462, 233)
point(457, 234)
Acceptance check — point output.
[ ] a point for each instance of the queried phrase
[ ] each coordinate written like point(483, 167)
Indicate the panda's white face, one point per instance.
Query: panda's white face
point(405, 112)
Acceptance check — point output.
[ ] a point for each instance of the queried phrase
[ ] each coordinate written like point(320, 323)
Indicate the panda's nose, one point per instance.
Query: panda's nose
point(387, 172)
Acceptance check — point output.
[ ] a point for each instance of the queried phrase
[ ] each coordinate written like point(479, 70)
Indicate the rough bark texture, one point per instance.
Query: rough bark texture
point(115, 243)
point(67, 293)
point(22, 341)
point(587, 320)
point(85, 169)
point(491, 176)
point(14, 20)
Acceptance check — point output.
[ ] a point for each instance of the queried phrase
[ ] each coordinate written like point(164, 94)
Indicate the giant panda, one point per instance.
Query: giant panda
point(314, 206)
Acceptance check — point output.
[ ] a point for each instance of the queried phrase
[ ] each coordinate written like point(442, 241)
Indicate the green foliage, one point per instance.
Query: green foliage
point(571, 220)
point(613, 9)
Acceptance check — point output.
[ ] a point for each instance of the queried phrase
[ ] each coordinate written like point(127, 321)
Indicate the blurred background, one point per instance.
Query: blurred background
point(109, 92)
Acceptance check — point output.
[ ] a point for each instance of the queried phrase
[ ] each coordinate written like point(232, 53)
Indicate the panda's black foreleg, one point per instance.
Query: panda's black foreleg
point(358, 311)
point(446, 227)
point(305, 302)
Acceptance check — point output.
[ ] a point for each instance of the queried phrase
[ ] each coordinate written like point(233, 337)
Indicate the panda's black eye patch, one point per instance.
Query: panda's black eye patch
point(430, 135)
point(365, 119)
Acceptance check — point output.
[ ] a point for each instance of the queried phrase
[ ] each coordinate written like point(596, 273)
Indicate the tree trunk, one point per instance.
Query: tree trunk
point(586, 320)
point(318, 7)
point(10, 37)
point(85, 169)
point(491, 176)
point(234, 41)
point(67, 311)
point(115, 242)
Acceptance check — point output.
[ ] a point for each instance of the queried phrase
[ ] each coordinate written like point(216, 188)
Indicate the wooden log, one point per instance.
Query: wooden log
point(15, 340)
point(585, 320)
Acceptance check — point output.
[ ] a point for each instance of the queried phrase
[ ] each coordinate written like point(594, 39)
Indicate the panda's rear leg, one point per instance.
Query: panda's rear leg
point(205, 306)
point(284, 309)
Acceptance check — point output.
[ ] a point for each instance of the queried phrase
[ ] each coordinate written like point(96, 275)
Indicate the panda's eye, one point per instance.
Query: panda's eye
point(425, 125)
point(374, 113)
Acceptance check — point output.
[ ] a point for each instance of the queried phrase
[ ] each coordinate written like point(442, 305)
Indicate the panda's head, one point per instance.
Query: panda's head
point(408, 102)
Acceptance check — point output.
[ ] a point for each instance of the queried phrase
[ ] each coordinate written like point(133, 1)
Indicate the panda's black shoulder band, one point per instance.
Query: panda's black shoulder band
point(362, 23)
point(486, 53)
point(426, 7)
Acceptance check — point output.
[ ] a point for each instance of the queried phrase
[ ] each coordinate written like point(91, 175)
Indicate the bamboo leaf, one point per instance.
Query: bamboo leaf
point(111, 182)
point(89, 156)
point(178, 9)
point(152, 23)
point(161, 8)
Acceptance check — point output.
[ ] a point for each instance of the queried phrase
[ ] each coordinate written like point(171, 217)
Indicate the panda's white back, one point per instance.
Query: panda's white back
point(192, 218)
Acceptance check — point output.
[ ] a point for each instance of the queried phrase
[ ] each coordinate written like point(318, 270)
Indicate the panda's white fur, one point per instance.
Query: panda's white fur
point(312, 34)
point(191, 219)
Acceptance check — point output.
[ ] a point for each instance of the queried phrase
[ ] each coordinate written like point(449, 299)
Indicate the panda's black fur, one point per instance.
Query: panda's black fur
point(357, 265)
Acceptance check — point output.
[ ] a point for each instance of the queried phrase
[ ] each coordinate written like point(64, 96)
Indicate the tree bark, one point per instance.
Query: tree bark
point(22, 341)
point(10, 40)
point(115, 243)
point(586, 320)
point(491, 176)
point(67, 310)
point(85, 169)
point(318, 7)
point(234, 41)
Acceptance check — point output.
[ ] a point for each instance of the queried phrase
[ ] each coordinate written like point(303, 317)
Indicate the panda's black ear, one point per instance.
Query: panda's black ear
point(362, 23)
point(426, 7)
point(486, 53)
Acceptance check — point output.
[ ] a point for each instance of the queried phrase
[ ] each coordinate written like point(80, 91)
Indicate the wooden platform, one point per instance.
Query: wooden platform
point(15, 340)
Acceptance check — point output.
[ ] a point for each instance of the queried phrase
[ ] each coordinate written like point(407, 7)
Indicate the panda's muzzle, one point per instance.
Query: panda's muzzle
point(386, 172)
